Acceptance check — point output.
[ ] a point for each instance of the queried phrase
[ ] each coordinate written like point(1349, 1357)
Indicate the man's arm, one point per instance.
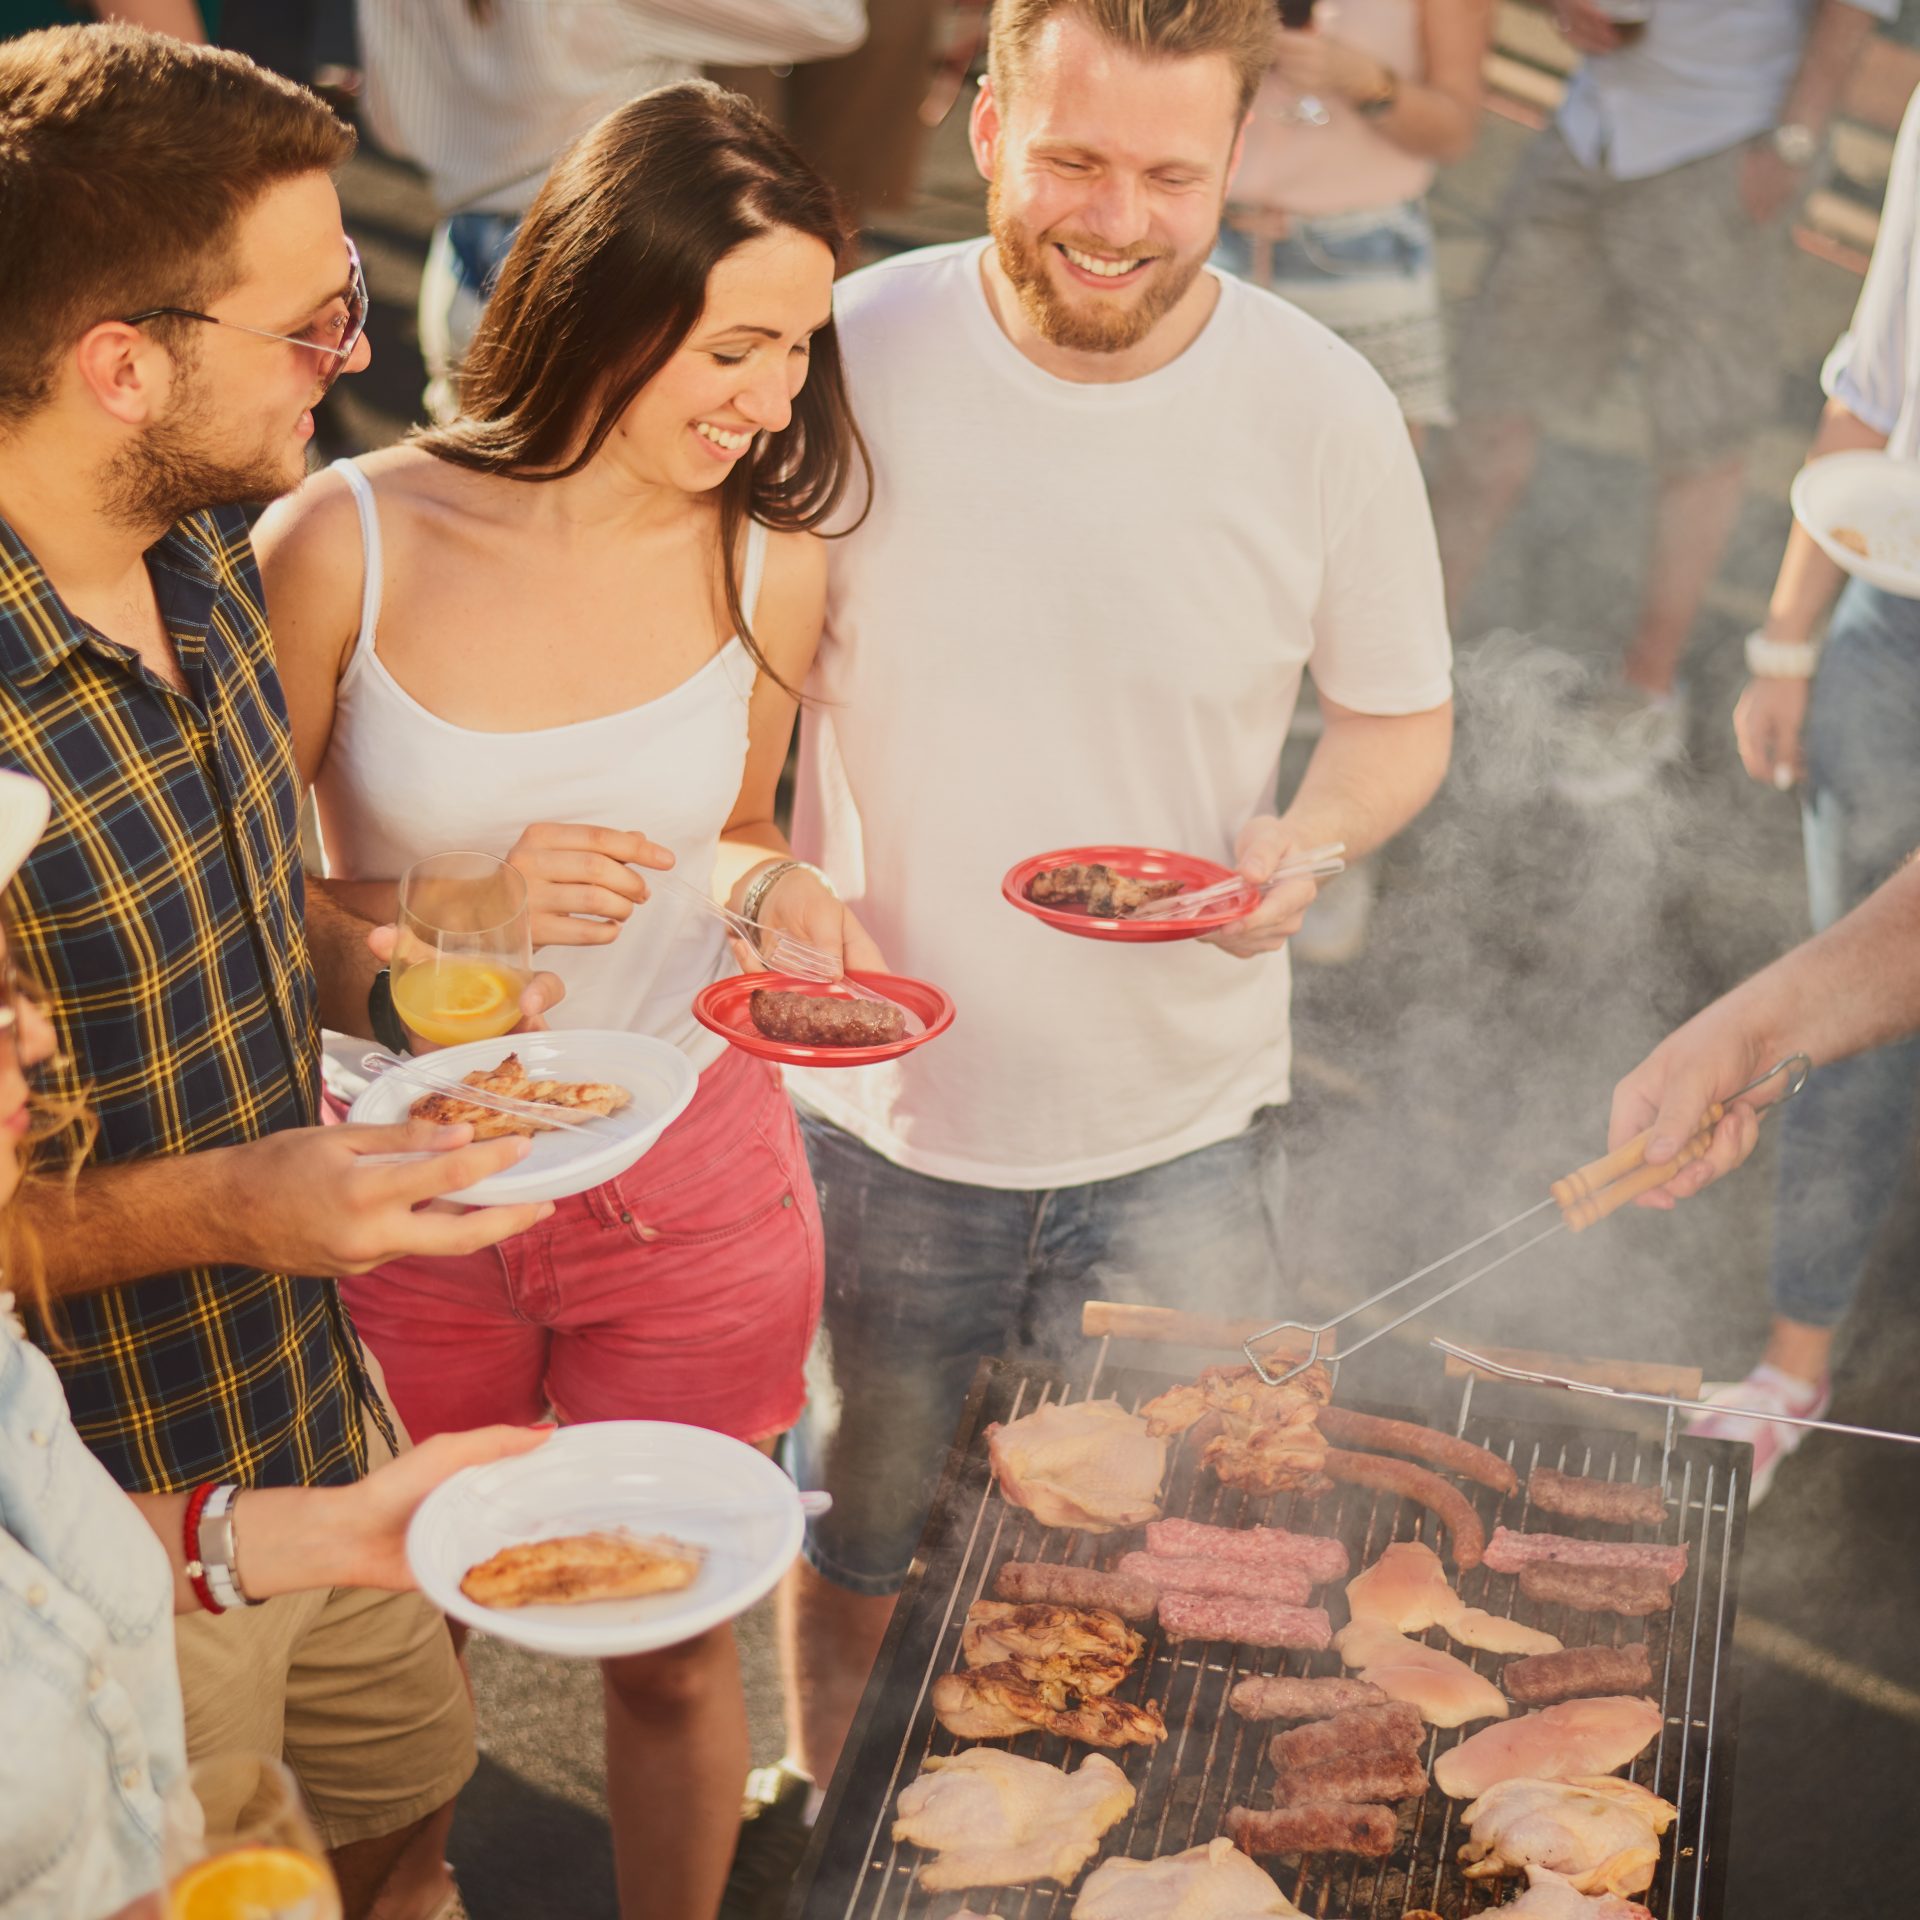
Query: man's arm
point(1369, 775)
point(1769, 182)
point(343, 963)
point(1854, 987)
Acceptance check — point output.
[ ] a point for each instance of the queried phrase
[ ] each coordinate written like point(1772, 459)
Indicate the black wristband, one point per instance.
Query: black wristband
point(388, 1028)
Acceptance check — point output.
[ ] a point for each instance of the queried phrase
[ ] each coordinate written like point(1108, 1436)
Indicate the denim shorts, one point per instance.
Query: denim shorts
point(925, 1277)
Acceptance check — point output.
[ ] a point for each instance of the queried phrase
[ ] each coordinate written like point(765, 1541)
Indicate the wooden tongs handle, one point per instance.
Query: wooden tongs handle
point(1606, 1185)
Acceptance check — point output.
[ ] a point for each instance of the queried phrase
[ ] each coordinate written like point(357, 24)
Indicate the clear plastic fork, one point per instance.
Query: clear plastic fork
point(1318, 863)
point(383, 1065)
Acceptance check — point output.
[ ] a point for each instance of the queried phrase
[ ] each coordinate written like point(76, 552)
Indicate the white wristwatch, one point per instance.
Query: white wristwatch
point(1781, 659)
point(1796, 143)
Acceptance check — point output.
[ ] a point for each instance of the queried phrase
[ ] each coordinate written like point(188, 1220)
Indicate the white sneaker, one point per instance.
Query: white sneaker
point(1335, 929)
point(1623, 737)
point(1768, 1390)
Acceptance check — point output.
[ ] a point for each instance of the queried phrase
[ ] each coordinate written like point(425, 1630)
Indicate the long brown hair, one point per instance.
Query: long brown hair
point(607, 277)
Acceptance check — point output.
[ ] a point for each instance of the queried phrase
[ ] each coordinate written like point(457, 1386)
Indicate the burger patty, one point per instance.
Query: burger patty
point(824, 1020)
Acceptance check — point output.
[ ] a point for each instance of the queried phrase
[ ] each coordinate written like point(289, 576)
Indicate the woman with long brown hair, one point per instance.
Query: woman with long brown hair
point(568, 629)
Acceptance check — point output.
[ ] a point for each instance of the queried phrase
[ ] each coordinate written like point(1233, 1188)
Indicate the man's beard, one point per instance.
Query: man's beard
point(170, 471)
point(1094, 327)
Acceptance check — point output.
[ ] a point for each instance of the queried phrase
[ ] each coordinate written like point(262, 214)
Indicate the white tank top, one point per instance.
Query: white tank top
point(399, 783)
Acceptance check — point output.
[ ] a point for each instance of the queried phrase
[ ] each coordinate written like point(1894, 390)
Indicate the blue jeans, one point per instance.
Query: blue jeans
point(926, 1276)
point(1846, 1142)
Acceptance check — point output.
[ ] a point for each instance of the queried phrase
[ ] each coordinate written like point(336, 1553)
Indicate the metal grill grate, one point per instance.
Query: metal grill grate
point(1211, 1759)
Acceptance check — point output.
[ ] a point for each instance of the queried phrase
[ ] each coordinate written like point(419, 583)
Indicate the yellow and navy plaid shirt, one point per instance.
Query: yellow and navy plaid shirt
point(164, 912)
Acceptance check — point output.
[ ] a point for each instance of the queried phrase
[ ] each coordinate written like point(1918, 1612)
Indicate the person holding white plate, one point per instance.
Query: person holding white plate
point(566, 630)
point(1842, 720)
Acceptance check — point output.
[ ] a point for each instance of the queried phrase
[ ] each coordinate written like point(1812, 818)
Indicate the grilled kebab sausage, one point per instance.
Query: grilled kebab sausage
point(1577, 1673)
point(1253, 1623)
point(1634, 1591)
point(1337, 1827)
point(1466, 1537)
point(1169, 1575)
point(1393, 1727)
point(1283, 1697)
point(1319, 1558)
point(1351, 1777)
point(1624, 1502)
point(1371, 1434)
point(824, 1020)
point(1120, 1593)
point(1508, 1552)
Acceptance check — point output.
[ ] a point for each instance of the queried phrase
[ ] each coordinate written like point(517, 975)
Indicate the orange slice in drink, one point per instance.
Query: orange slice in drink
point(254, 1883)
point(472, 994)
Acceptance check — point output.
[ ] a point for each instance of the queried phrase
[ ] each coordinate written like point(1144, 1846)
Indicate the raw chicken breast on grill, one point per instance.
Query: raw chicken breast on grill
point(1214, 1882)
point(1566, 1742)
point(1407, 1589)
point(1600, 1834)
point(1550, 1898)
point(1446, 1690)
point(1091, 1464)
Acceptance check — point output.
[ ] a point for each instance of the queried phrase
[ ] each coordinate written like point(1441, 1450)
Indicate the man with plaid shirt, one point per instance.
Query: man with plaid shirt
point(180, 294)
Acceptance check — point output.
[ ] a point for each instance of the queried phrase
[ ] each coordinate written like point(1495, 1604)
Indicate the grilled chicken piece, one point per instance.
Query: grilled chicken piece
point(1407, 1589)
point(1105, 893)
point(1446, 1690)
point(572, 1099)
point(1090, 1464)
point(615, 1565)
point(1550, 1898)
point(997, 1820)
point(1566, 1742)
point(1214, 1882)
point(1012, 1697)
point(1267, 1439)
point(1088, 1645)
point(1601, 1835)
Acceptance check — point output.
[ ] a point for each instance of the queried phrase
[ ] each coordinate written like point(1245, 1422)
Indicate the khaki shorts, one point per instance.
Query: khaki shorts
point(358, 1691)
point(1587, 266)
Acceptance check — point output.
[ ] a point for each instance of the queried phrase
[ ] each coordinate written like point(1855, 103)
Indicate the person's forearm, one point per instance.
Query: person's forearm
point(286, 1540)
point(1808, 581)
point(1425, 121)
point(343, 963)
point(1834, 43)
point(1368, 777)
point(745, 848)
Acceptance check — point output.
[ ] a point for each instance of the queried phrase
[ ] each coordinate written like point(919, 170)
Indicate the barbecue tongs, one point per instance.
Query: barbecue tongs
point(1584, 1198)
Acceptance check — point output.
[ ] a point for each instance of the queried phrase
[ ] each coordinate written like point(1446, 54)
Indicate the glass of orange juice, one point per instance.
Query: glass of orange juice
point(238, 1845)
point(463, 951)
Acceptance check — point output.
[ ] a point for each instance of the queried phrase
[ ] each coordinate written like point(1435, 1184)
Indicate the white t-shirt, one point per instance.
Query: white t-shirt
point(1079, 613)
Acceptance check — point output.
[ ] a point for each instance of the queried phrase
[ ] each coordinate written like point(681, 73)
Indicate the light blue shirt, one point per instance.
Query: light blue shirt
point(1706, 75)
point(93, 1730)
point(1874, 369)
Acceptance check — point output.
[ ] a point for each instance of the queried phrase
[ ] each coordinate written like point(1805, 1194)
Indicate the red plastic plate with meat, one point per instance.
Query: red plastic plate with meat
point(1137, 863)
point(722, 1009)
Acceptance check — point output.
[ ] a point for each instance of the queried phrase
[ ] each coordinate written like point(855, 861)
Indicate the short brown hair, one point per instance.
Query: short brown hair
point(1154, 29)
point(126, 160)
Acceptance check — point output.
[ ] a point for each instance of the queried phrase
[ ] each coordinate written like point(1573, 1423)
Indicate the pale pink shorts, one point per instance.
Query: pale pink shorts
point(687, 1289)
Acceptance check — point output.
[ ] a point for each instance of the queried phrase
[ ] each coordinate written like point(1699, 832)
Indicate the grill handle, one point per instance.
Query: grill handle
point(1630, 1376)
point(1120, 1320)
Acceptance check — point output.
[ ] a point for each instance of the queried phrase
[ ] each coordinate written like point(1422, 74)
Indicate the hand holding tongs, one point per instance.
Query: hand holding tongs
point(1318, 863)
point(782, 953)
point(1602, 1187)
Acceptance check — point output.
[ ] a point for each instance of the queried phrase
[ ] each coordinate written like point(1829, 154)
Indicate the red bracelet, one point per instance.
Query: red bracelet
point(190, 1532)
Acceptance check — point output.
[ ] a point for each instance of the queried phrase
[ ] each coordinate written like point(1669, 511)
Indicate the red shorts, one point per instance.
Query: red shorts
point(687, 1289)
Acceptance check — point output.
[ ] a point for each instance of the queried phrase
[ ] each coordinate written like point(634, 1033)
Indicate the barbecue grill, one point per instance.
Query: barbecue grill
point(1212, 1760)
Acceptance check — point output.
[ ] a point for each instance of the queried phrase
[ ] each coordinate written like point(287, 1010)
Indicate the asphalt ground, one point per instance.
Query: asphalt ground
point(1523, 955)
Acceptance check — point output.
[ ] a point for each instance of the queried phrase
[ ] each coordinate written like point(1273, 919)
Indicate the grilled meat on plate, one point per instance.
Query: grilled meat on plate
point(1103, 892)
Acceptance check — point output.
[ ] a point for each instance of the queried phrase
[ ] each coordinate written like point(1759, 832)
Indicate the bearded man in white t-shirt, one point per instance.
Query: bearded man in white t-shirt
point(1121, 504)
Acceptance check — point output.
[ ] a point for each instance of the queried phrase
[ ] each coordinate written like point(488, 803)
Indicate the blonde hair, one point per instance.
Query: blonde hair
point(1242, 30)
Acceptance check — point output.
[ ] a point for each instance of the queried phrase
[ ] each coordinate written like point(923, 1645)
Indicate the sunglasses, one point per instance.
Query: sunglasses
point(331, 339)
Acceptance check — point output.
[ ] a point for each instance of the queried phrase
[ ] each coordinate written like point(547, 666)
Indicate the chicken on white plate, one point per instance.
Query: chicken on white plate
point(1407, 1589)
point(1550, 1898)
point(1214, 1882)
point(1090, 1464)
point(1446, 1690)
point(1601, 1835)
point(994, 1819)
point(1567, 1742)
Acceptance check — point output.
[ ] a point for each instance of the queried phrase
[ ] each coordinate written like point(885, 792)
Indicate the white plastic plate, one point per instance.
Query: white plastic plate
point(659, 1076)
point(1876, 496)
point(650, 1476)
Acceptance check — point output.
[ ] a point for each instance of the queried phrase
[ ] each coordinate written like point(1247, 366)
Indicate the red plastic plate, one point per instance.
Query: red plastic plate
point(1138, 863)
point(722, 1009)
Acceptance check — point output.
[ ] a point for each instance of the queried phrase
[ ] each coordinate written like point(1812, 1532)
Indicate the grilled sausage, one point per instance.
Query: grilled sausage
point(1351, 1777)
point(824, 1020)
point(1466, 1537)
point(1319, 1558)
point(1131, 1599)
point(1253, 1623)
point(1395, 1727)
point(1371, 1434)
point(1287, 1585)
point(1623, 1502)
point(1338, 1827)
point(1508, 1552)
point(1283, 1697)
point(1634, 1591)
point(1577, 1673)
